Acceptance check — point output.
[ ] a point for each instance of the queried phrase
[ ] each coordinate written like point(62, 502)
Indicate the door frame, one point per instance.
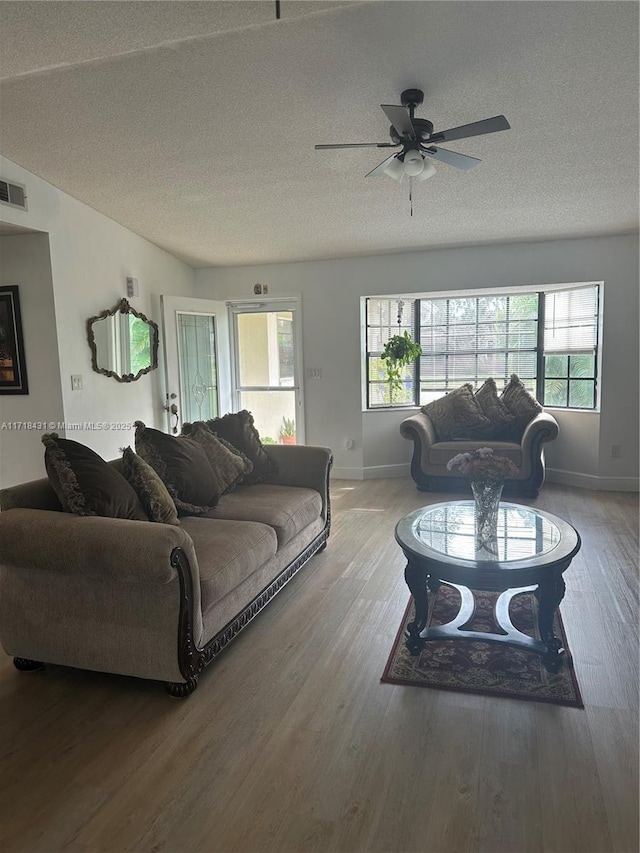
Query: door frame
point(291, 303)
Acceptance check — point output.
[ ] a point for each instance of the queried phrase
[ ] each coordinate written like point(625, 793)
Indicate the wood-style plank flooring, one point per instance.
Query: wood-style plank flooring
point(291, 743)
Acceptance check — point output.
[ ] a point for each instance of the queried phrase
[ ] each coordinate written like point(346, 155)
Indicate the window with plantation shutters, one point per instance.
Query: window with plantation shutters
point(548, 338)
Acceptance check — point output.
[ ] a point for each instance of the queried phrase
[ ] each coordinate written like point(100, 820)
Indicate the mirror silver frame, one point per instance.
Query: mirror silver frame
point(123, 307)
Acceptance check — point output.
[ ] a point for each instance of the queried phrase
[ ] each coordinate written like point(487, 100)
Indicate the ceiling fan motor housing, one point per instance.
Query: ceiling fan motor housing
point(422, 127)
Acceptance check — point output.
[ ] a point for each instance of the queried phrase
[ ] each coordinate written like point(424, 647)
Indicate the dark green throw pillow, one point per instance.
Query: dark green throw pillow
point(230, 466)
point(183, 467)
point(457, 415)
point(153, 494)
point(522, 405)
point(501, 419)
point(238, 429)
point(87, 485)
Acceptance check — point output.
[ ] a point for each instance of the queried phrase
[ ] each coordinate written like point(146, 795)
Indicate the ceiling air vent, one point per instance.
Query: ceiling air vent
point(13, 194)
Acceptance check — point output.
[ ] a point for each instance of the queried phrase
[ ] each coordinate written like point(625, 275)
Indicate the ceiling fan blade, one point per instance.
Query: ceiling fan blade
point(400, 119)
point(476, 128)
point(452, 158)
point(359, 145)
point(379, 169)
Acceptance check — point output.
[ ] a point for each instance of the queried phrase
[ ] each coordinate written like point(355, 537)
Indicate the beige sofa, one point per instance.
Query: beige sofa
point(430, 456)
point(154, 600)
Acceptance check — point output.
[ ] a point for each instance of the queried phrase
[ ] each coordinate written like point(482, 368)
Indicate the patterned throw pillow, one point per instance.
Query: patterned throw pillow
point(229, 465)
point(521, 403)
point(87, 485)
point(456, 415)
point(183, 467)
point(152, 492)
point(494, 409)
point(238, 429)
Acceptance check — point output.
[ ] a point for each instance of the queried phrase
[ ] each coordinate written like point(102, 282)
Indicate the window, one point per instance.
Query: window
point(549, 338)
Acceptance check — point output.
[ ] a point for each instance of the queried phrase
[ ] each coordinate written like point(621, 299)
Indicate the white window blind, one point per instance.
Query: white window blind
point(571, 320)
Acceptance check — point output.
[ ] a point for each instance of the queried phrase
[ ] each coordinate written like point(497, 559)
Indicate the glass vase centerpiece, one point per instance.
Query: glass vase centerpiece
point(487, 474)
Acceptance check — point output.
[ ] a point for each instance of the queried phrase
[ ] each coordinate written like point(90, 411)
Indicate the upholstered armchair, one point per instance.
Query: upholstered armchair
point(445, 428)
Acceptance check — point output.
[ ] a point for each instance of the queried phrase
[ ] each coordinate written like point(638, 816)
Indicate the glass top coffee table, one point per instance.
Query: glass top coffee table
point(531, 551)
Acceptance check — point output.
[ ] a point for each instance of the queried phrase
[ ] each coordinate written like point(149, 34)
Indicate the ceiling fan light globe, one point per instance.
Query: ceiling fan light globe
point(395, 169)
point(428, 171)
point(413, 163)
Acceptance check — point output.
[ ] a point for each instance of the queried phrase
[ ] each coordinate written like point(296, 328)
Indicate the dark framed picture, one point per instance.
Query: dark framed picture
point(13, 370)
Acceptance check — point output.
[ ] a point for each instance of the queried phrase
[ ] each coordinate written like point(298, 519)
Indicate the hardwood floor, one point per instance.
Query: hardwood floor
point(291, 743)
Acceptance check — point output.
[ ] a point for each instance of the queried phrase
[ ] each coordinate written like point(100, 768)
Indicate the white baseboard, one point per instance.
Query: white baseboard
point(346, 474)
point(375, 472)
point(592, 481)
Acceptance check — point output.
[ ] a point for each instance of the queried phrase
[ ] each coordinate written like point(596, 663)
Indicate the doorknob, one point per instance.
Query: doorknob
point(172, 408)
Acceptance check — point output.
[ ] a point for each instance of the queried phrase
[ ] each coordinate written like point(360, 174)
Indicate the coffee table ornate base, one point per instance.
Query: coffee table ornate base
point(417, 637)
point(429, 539)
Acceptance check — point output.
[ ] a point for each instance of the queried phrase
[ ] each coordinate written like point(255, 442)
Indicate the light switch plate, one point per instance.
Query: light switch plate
point(76, 382)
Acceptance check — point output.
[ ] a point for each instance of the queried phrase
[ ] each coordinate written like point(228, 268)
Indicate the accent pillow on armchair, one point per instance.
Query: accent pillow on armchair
point(457, 415)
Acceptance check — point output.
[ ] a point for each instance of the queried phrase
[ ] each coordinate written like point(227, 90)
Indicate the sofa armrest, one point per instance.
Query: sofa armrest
point(111, 549)
point(97, 593)
point(544, 427)
point(419, 426)
point(303, 465)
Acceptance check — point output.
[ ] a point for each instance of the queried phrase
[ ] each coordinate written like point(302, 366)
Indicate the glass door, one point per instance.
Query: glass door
point(267, 361)
point(196, 348)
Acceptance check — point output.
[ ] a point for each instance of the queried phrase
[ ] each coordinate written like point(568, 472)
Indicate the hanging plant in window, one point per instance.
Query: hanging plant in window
point(399, 351)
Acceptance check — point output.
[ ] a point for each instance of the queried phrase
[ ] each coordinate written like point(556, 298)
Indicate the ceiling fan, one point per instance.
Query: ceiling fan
point(417, 142)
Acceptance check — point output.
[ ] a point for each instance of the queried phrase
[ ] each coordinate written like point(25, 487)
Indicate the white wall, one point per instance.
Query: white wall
point(331, 292)
point(25, 261)
point(91, 256)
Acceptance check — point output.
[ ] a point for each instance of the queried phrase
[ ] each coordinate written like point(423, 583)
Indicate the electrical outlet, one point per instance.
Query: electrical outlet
point(76, 382)
point(616, 451)
point(314, 373)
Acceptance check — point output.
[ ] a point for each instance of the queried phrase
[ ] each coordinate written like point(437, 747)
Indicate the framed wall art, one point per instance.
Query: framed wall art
point(13, 370)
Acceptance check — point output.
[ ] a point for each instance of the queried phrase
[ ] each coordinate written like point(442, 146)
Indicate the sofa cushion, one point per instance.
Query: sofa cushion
point(287, 509)
point(238, 429)
point(522, 405)
point(442, 451)
point(229, 465)
point(183, 467)
point(493, 408)
point(457, 414)
point(153, 494)
point(228, 552)
point(87, 485)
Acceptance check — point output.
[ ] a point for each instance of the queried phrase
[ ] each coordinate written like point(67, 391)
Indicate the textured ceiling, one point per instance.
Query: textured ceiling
point(193, 123)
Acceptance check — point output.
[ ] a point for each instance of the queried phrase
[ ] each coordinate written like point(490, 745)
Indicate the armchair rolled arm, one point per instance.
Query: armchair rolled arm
point(92, 547)
point(419, 426)
point(544, 427)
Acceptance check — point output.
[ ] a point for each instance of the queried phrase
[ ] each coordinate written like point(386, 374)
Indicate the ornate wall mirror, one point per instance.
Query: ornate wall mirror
point(124, 343)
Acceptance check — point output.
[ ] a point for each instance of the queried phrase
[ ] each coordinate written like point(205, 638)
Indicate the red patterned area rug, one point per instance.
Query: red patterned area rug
point(473, 666)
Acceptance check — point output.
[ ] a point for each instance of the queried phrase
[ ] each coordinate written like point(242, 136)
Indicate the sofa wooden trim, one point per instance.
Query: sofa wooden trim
point(193, 660)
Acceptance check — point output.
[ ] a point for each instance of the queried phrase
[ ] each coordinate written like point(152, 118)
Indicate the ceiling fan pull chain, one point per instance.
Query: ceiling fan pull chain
point(410, 196)
point(277, 10)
